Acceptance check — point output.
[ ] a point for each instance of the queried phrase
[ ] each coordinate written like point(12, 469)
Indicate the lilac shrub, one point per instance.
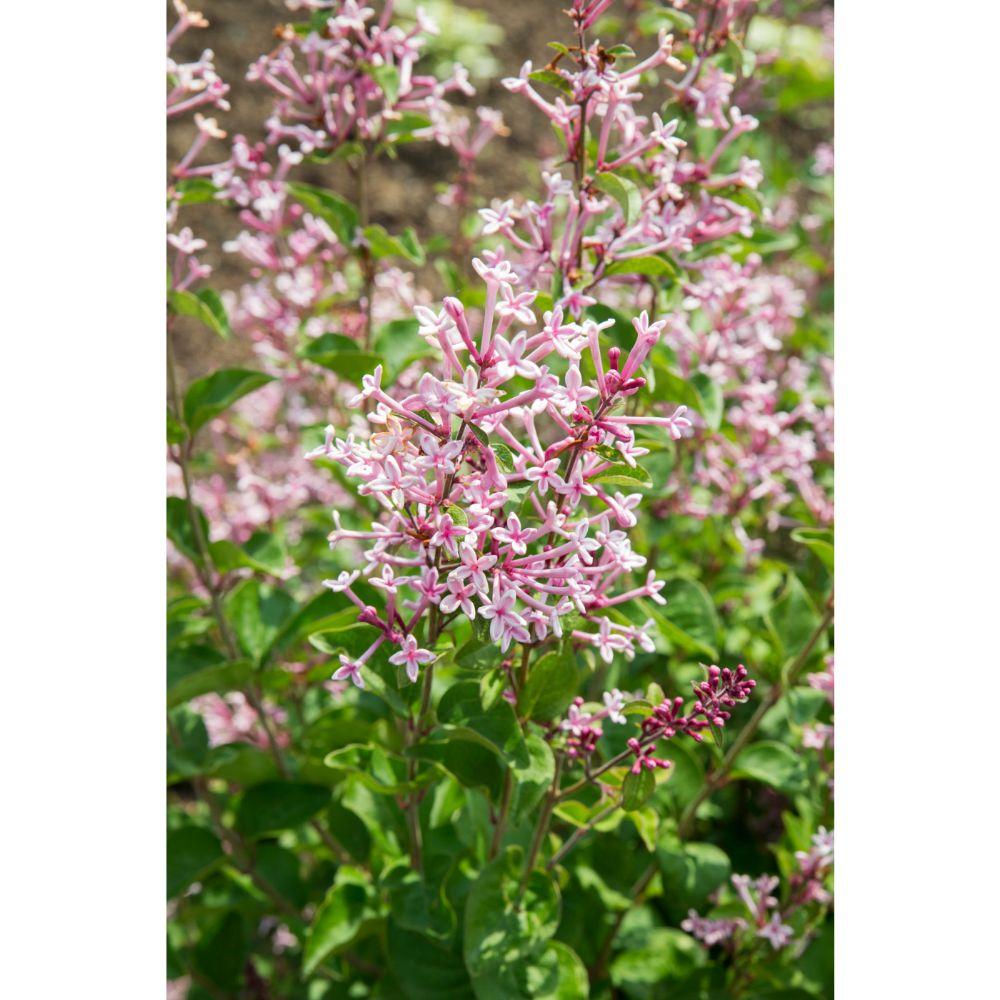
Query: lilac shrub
point(576, 451)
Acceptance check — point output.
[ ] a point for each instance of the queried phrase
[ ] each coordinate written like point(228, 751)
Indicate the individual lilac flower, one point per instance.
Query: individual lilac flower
point(614, 702)
point(342, 582)
point(473, 566)
point(514, 535)
point(411, 656)
point(545, 475)
point(460, 594)
point(448, 534)
point(370, 385)
point(776, 932)
point(711, 932)
point(349, 669)
point(506, 625)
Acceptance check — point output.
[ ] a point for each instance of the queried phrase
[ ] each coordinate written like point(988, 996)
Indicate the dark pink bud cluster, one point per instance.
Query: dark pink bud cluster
point(723, 690)
point(644, 757)
point(724, 687)
point(668, 719)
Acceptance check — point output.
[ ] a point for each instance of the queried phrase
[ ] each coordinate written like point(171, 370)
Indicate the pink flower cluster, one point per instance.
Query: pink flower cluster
point(819, 735)
point(264, 478)
point(190, 87)
point(581, 229)
point(659, 203)
point(231, 719)
point(500, 500)
point(767, 915)
point(732, 328)
point(354, 77)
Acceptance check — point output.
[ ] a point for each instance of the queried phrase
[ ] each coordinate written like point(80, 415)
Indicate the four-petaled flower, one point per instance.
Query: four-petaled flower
point(411, 656)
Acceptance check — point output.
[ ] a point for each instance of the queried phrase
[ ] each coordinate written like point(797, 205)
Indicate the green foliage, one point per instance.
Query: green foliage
point(207, 397)
point(447, 847)
point(205, 306)
point(278, 805)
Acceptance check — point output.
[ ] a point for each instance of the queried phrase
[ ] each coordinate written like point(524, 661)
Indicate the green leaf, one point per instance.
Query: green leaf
point(558, 975)
point(590, 881)
point(699, 393)
point(221, 955)
point(378, 770)
point(278, 805)
point(457, 515)
point(405, 245)
point(263, 552)
point(258, 613)
point(194, 190)
point(504, 457)
point(551, 685)
point(341, 356)
point(650, 265)
point(348, 907)
point(176, 431)
point(470, 761)
point(207, 397)
point(350, 830)
point(711, 401)
point(241, 764)
point(180, 530)
point(340, 215)
point(653, 18)
point(280, 867)
point(462, 717)
point(503, 932)
point(637, 789)
point(626, 193)
point(387, 77)
point(532, 781)
point(399, 343)
point(666, 955)
point(621, 474)
point(418, 903)
point(690, 872)
point(189, 676)
point(192, 851)
point(188, 745)
point(773, 764)
point(793, 618)
point(428, 970)
point(689, 619)
point(552, 78)
point(819, 541)
point(687, 774)
point(205, 306)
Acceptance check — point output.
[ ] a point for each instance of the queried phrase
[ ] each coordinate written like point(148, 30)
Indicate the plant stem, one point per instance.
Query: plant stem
point(541, 828)
point(580, 833)
point(501, 824)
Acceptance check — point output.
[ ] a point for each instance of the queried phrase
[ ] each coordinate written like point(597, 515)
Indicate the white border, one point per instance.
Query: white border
point(917, 337)
point(917, 552)
point(83, 470)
